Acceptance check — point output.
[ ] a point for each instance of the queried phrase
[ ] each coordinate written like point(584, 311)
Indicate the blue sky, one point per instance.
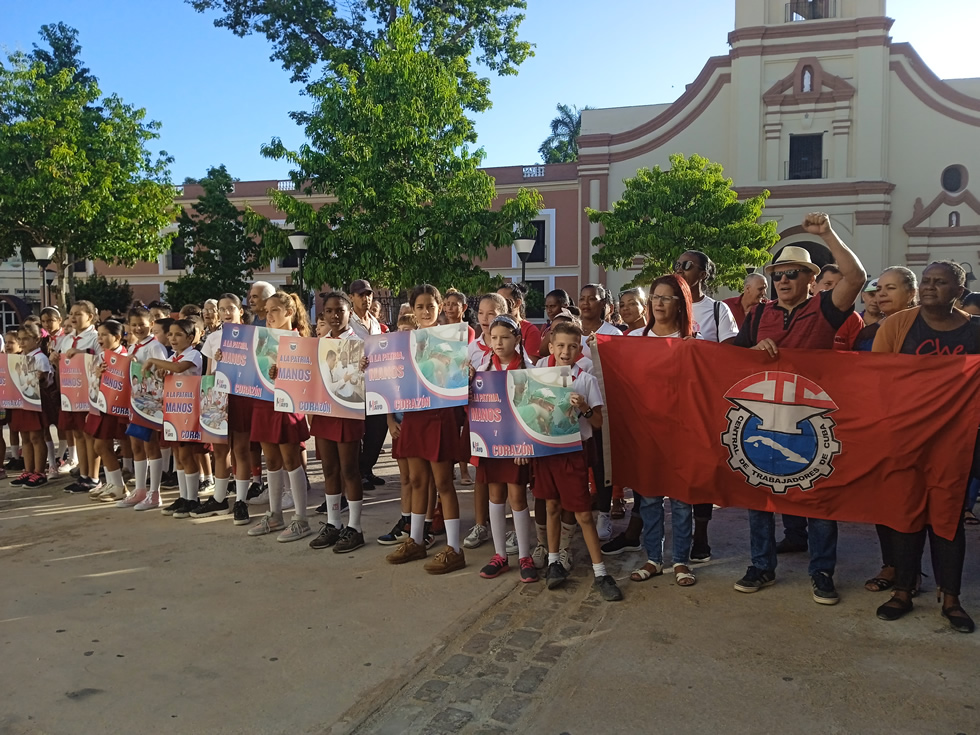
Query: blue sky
point(220, 98)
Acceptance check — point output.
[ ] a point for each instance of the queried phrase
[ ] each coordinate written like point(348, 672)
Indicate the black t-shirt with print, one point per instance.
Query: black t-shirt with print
point(924, 340)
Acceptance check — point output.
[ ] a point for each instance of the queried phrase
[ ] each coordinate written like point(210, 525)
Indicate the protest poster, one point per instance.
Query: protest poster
point(22, 371)
point(247, 354)
point(146, 397)
point(9, 395)
point(417, 370)
point(182, 408)
point(523, 413)
point(214, 412)
point(111, 392)
point(73, 375)
point(321, 377)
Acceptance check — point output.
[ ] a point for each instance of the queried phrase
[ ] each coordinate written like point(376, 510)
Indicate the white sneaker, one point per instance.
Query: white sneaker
point(96, 491)
point(150, 502)
point(565, 559)
point(67, 466)
point(134, 498)
point(477, 536)
point(261, 499)
point(53, 474)
point(512, 543)
point(111, 493)
point(540, 556)
point(287, 500)
point(603, 526)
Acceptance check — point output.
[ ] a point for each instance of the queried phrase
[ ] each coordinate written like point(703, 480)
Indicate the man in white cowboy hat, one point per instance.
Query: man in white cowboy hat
point(796, 319)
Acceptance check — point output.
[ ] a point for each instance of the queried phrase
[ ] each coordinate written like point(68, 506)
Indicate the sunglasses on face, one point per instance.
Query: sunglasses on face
point(684, 265)
point(792, 275)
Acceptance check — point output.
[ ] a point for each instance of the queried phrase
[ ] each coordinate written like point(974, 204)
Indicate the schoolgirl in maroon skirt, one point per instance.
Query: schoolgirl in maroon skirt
point(84, 340)
point(105, 429)
point(32, 425)
point(429, 440)
point(282, 434)
point(338, 440)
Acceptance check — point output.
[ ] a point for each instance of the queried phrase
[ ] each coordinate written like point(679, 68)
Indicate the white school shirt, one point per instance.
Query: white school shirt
point(477, 351)
point(587, 386)
point(43, 365)
point(604, 328)
point(146, 349)
point(212, 343)
point(192, 356)
point(582, 364)
point(85, 341)
point(704, 318)
point(486, 361)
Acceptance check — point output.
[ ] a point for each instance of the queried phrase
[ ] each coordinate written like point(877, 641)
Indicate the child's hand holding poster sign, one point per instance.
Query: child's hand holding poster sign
point(417, 370)
point(523, 413)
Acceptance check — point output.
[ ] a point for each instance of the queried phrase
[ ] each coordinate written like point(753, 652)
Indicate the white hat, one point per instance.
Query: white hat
point(791, 255)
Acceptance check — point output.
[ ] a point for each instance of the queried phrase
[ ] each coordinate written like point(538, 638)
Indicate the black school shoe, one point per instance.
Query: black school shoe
point(175, 506)
point(824, 591)
point(187, 509)
point(211, 507)
point(556, 575)
point(607, 588)
point(327, 537)
point(348, 540)
point(241, 513)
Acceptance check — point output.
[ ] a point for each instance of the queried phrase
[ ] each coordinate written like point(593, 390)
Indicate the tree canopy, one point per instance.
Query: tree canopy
point(330, 39)
point(391, 145)
point(75, 171)
point(690, 206)
point(107, 295)
point(562, 145)
point(219, 254)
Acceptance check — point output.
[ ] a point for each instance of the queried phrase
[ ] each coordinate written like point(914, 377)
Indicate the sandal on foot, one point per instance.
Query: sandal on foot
point(969, 519)
point(894, 609)
point(879, 584)
point(684, 578)
point(958, 619)
point(650, 569)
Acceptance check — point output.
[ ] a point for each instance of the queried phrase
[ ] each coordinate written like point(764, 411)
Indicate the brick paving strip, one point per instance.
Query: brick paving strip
point(482, 676)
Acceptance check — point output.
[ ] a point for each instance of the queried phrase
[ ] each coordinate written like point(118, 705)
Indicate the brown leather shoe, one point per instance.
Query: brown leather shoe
point(408, 551)
point(447, 560)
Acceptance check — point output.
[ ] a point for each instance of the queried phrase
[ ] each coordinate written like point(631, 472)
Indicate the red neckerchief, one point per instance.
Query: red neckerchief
point(483, 348)
point(35, 351)
point(178, 358)
point(146, 341)
point(576, 370)
point(514, 364)
point(552, 362)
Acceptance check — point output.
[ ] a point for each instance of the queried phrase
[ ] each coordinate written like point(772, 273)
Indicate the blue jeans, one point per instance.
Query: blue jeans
point(822, 541)
point(682, 525)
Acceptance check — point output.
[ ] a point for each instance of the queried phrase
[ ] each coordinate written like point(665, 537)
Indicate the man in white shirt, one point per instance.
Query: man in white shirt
point(375, 427)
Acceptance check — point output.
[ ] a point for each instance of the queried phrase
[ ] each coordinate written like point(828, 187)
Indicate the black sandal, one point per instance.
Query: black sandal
point(894, 609)
point(958, 619)
point(879, 584)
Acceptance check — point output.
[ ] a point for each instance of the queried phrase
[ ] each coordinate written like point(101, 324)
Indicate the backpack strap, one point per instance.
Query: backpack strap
point(717, 311)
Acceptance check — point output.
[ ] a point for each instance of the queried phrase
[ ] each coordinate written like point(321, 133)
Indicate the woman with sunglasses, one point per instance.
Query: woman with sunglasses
point(713, 319)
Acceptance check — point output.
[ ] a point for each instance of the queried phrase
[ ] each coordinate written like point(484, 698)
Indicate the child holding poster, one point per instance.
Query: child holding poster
point(507, 477)
point(562, 480)
point(32, 424)
point(239, 413)
point(282, 434)
point(147, 456)
point(338, 442)
point(429, 440)
point(83, 340)
point(186, 360)
point(106, 429)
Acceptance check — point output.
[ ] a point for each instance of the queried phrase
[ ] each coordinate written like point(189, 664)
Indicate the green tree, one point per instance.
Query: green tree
point(690, 206)
point(105, 294)
point(391, 145)
point(75, 171)
point(334, 40)
point(562, 145)
point(220, 254)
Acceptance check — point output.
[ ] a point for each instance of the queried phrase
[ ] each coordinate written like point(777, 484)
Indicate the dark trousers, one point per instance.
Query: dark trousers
point(703, 511)
point(603, 491)
point(375, 433)
point(795, 529)
point(886, 537)
point(947, 558)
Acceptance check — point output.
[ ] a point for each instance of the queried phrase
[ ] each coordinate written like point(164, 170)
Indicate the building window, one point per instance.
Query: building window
point(799, 10)
point(954, 179)
point(290, 261)
point(538, 254)
point(805, 157)
point(81, 266)
point(807, 82)
point(175, 258)
point(954, 219)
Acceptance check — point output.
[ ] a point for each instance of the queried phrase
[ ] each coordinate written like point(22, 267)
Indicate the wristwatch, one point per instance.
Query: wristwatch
point(587, 414)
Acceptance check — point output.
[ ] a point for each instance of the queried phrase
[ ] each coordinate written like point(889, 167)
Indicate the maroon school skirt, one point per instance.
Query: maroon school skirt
point(72, 420)
point(501, 470)
point(103, 426)
point(431, 435)
point(342, 431)
point(239, 414)
point(21, 420)
point(274, 427)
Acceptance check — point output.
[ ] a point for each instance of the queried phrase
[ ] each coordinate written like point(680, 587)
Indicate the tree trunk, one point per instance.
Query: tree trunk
point(62, 294)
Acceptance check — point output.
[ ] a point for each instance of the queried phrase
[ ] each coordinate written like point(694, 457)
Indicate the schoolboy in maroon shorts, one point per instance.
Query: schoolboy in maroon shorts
point(562, 480)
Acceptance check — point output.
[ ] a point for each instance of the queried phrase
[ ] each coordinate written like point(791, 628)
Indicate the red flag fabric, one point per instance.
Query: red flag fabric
point(865, 437)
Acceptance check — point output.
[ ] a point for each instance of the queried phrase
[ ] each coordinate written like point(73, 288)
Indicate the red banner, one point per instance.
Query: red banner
point(863, 437)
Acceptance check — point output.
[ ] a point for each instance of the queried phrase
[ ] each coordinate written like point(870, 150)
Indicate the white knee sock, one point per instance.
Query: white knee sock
point(241, 490)
point(498, 528)
point(522, 526)
point(182, 483)
point(297, 485)
point(52, 457)
point(275, 491)
point(73, 454)
point(333, 510)
point(418, 528)
point(166, 453)
point(114, 477)
point(139, 469)
point(127, 463)
point(220, 488)
point(156, 474)
point(452, 533)
point(354, 509)
point(193, 480)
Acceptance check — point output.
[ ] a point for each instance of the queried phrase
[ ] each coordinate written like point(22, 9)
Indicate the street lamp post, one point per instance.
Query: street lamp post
point(43, 255)
point(524, 246)
point(48, 280)
point(300, 242)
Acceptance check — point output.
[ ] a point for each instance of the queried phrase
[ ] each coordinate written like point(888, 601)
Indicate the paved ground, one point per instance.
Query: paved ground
point(137, 623)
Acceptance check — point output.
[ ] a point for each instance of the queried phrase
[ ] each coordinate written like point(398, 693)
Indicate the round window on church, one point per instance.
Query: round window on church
point(954, 179)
